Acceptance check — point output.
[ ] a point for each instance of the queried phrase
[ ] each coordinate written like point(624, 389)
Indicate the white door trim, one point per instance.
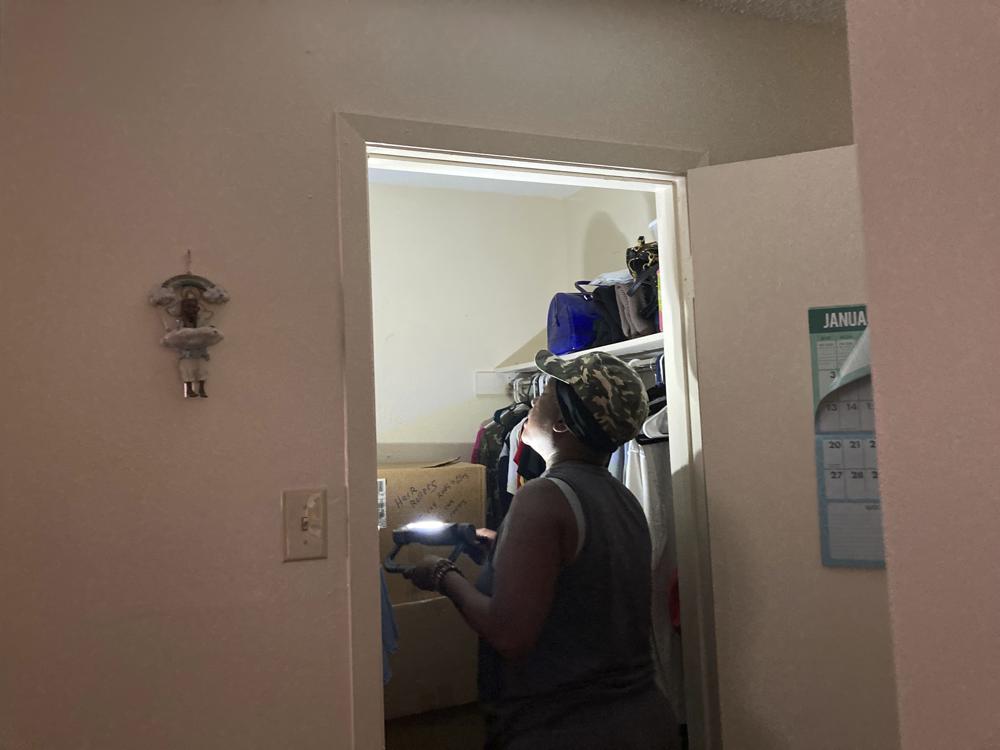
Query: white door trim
point(354, 134)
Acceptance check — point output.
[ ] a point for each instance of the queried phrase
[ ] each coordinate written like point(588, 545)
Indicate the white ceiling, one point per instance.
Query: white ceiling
point(471, 184)
point(802, 11)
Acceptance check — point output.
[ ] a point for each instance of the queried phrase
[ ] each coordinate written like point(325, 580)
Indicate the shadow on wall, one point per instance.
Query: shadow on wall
point(604, 246)
point(602, 249)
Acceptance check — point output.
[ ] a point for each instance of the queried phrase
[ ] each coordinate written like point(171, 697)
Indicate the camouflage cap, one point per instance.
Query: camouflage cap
point(608, 388)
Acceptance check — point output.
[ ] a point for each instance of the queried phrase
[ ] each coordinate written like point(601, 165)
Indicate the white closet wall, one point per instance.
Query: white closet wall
point(459, 280)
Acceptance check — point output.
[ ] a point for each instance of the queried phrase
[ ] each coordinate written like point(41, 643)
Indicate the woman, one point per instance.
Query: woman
point(563, 606)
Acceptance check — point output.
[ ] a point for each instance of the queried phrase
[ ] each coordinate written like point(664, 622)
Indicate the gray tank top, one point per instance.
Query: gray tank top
point(594, 647)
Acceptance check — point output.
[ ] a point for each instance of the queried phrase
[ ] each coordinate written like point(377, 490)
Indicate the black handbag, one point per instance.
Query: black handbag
point(603, 297)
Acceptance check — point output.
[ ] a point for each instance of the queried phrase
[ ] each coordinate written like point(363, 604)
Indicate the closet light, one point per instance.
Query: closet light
point(514, 171)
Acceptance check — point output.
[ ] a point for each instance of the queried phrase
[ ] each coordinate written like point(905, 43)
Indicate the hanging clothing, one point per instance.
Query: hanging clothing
point(477, 444)
point(513, 441)
point(501, 504)
point(529, 464)
point(648, 477)
point(490, 446)
point(616, 466)
point(390, 633)
point(525, 463)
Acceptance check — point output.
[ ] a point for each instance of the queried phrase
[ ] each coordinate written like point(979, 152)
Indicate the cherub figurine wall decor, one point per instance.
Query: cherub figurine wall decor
point(186, 304)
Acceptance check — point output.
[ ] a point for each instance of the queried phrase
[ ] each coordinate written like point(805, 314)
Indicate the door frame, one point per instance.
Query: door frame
point(353, 133)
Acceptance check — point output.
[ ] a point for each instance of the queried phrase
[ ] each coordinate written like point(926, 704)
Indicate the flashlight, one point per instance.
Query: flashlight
point(461, 537)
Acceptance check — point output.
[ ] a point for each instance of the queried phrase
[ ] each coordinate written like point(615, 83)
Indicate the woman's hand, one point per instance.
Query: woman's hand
point(487, 538)
point(422, 574)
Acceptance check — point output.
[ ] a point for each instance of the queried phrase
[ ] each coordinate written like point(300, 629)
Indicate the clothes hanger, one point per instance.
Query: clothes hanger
point(655, 428)
point(522, 390)
point(538, 384)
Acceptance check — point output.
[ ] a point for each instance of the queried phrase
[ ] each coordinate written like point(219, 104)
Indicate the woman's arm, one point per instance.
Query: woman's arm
point(539, 536)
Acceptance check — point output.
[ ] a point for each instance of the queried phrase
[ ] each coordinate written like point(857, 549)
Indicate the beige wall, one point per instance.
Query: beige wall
point(144, 601)
point(804, 655)
point(926, 112)
point(459, 280)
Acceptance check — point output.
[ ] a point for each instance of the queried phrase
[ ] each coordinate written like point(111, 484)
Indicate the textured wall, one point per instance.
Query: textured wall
point(926, 111)
point(805, 11)
point(144, 601)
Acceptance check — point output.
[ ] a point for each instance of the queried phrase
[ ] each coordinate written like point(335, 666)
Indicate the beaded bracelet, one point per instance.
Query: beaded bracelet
point(443, 568)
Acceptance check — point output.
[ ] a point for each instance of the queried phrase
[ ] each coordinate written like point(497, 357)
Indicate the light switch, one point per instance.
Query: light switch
point(304, 514)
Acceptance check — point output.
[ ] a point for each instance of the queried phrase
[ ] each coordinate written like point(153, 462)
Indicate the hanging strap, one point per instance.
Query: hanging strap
point(643, 276)
point(574, 504)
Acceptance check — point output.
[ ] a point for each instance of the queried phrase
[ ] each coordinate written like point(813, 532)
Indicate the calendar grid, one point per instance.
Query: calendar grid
point(846, 450)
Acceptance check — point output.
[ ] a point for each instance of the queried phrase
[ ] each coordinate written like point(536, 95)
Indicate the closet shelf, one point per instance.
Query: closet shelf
point(643, 345)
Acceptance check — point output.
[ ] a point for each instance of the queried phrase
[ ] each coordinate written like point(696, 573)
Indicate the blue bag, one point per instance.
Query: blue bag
point(583, 320)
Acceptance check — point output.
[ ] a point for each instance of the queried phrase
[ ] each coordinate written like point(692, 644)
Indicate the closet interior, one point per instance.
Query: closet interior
point(466, 259)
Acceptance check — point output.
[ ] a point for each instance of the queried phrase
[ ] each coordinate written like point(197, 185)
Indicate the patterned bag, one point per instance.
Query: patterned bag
point(643, 262)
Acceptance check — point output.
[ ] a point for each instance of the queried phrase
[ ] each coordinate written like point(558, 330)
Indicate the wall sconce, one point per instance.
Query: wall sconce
point(186, 304)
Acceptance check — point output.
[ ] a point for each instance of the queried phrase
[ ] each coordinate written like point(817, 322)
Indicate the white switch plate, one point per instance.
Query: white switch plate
point(304, 513)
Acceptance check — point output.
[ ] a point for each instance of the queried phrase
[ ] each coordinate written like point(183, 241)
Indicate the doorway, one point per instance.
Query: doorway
point(662, 192)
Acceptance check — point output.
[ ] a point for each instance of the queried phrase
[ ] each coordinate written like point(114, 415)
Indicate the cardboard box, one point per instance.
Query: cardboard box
point(451, 492)
point(436, 665)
